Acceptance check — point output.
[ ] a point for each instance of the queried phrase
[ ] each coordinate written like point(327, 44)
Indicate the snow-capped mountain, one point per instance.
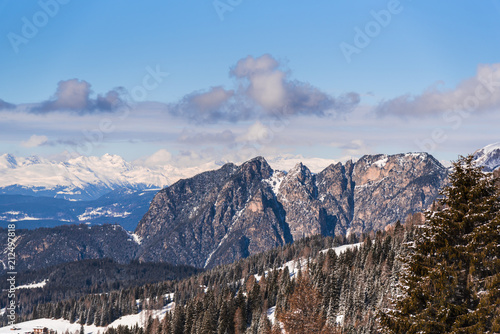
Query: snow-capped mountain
point(81, 178)
point(88, 178)
point(489, 157)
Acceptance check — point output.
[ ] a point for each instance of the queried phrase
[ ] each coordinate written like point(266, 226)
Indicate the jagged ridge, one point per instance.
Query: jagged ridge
point(219, 216)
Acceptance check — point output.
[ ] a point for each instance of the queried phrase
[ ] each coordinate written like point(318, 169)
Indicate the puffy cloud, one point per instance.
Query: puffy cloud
point(250, 66)
point(35, 141)
point(480, 93)
point(263, 89)
point(266, 81)
point(257, 132)
point(207, 106)
point(75, 96)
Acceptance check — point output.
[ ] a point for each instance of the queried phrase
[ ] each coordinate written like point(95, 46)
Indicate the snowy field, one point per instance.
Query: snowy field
point(61, 325)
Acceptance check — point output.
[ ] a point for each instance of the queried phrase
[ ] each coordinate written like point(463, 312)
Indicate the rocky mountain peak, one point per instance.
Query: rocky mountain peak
point(235, 211)
point(257, 167)
point(299, 172)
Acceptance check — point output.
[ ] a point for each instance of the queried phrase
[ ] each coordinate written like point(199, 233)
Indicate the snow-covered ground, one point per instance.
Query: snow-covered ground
point(295, 265)
point(33, 285)
point(341, 249)
point(58, 325)
point(92, 213)
point(61, 325)
point(271, 314)
point(275, 181)
point(137, 239)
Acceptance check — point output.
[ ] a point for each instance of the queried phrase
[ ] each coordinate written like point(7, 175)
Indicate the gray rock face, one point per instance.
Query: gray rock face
point(389, 188)
point(220, 216)
point(215, 217)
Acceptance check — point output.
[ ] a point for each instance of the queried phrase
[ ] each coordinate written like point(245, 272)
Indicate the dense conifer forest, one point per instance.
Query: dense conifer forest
point(348, 289)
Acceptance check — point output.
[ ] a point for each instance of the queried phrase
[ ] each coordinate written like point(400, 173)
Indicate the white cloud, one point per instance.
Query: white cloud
point(35, 141)
point(257, 133)
point(266, 81)
point(480, 93)
point(207, 106)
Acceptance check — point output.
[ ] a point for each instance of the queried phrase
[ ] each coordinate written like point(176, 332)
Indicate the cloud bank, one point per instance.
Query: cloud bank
point(480, 93)
point(35, 141)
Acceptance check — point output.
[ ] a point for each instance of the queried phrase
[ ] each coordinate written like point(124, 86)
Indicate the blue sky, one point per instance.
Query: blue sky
point(248, 77)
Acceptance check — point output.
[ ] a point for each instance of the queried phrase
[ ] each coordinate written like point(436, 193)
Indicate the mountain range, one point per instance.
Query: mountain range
point(235, 211)
point(222, 215)
point(88, 178)
point(81, 178)
point(36, 192)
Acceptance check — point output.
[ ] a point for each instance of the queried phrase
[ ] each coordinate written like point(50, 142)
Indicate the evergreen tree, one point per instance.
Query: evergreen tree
point(304, 314)
point(178, 320)
point(209, 324)
point(240, 321)
point(450, 273)
point(264, 324)
point(225, 320)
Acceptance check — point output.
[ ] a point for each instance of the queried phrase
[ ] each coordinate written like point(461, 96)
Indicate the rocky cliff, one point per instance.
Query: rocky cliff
point(215, 217)
point(220, 216)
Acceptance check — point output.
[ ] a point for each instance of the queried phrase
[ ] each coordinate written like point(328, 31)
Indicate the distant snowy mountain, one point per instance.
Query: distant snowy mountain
point(88, 178)
point(81, 178)
point(489, 157)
